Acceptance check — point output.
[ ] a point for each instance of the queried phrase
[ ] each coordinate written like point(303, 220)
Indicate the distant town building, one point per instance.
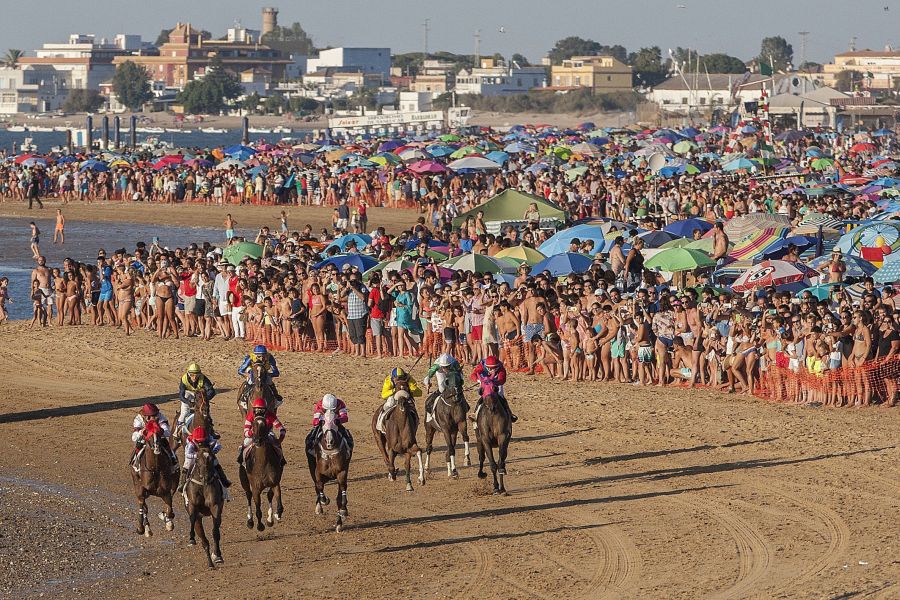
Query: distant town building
point(87, 60)
point(873, 69)
point(492, 79)
point(415, 101)
point(597, 73)
point(187, 55)
point(435, 76)
point(32, 89)
point(371, 61)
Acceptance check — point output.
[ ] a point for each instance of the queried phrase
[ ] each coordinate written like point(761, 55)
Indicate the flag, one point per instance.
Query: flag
point(765, 69)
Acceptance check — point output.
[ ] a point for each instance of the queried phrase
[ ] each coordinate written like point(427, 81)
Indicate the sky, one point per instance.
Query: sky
point(530, 27)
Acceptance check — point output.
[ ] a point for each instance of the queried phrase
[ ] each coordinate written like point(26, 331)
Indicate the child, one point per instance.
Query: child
point(37, 296)
point(35, 240)
point(4, 298)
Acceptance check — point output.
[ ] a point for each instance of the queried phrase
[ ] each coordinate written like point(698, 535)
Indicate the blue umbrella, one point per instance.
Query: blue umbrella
point(498, 156)
point(559, 242)
point(34, 161)
point(362, 240)
point(780, 248)
point(564, 264)
point(856, 267)
point(655, 239)
point(740, 163)
point(389, 145)
point(881, 132)
point(360, 261)
point(258, 169)
point(238, 149)
point(440, 150)
point(889, 271)
point(821, 292)
point(686, 227)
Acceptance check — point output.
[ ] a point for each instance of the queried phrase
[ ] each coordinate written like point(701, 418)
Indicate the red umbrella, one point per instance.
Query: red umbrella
point(427, 166)
point(774, 273)
point(862, 147)
point(23, 157)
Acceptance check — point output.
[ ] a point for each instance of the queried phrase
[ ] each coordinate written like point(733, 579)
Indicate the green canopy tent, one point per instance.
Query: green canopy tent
point(508, 208)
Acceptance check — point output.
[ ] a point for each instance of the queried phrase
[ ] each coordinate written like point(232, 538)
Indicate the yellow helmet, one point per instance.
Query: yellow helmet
point(193, 369)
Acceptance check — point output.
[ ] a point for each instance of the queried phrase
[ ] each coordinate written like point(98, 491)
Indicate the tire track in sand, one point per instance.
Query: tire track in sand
point(753, 550)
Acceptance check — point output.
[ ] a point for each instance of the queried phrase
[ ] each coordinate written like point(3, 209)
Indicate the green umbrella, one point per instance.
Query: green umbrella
point(685, 146)
point(704, 245)
point(573, 173)
point(449, 137)
point(479, 263)
point(520, 254)
point(820, 164)
point(465, 151)
point(235, 253)
point(679, 259)
point(388, 265)
point(677, 243)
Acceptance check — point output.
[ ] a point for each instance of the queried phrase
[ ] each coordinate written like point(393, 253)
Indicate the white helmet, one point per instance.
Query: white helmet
point(329, 402)
point(444, 360)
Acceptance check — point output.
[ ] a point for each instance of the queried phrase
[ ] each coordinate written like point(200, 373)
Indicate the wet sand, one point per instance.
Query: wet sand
point(616, 491)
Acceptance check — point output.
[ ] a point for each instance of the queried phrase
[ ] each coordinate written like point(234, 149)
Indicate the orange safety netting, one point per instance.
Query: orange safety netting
point(872, 382)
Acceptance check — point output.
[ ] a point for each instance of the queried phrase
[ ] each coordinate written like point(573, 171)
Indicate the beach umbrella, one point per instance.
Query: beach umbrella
point(388, 265)
point(440, 151)
point(587, 149)
point(755, 244)
point(36, 161)
point(120, 162)
point(362, 240)
point(679, 259)
point(412, 154)
point(437, 254)
point(475, 163)
point(855, 266)
point(449, 137)
point(465, 151)
point(559, 242)
point(521, 254)
point(684, 146)
point(235, 253)
point(774, 273)
point(478, 263)
point(94, 165)
point(564, 264)
point(575, 172)
point(740, 164)
point(389, 146)
point(427, 166)
point(879, 234)
point(821, 291)
point(820, 164)
point(861, 147)
point(498, 156)
point(362, 262)
point(734, 269)
point(744, 225)
point(706, 244)
point(238, 148)
point(655, 239)
point(686, 227)
point(520, 148)
point(228, 163)
point(889, 272)
point(780, 248)
point(680, 243)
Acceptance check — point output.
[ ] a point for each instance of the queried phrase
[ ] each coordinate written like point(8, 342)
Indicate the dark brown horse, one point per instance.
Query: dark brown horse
point(200, 415)
point(204, 497)
point(155, 476)
point(401, 425)
point(450, 410)
point(261, 470)
point(258, 389)
point(494, 430)
point(330, 462)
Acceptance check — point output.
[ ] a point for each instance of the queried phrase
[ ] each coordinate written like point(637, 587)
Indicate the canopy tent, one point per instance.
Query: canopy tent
point(508, 208)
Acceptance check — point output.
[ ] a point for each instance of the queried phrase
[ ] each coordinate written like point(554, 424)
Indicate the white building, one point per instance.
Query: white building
point(370, 61)
point(32, 89)
point(87, 60)
point(499, 80)
point(415, 101)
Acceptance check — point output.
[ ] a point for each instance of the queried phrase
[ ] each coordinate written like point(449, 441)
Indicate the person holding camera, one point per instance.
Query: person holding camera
point(357, 296)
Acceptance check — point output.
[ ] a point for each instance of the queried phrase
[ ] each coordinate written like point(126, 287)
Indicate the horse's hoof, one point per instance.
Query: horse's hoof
point(504, 493)
point(421, 480)
point(392, 477)
point(501, 472)
point(260, 526)
point(148, 533)
point(482, 475)
point(455, 474)
point(249, 523)
point(339, 527)
point(218, 560)
point(170, 526)
point(319, 509)
point(325, 500)
point(162, 516)
point(496, 492)
point(468, 462)
point(409, 487)
point(139, 531)
point(270, 522)
point(192, 542)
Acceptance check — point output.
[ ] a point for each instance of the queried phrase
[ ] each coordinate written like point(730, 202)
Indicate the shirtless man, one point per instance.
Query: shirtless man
point(695, 329)
point(229, 227)
point(549, 355)
point(35, 240)
point(681, 361)
point(720, 244)
point(41, 273)
point(532, 319)
point(644, 346)
point(124, 285)
point(508, 327)
point(59, 232)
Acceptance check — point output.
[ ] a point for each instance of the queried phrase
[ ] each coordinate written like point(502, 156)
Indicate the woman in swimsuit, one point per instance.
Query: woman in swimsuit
point(124, 284)
point(317, 308)
point(164, 280)
point(59, 286)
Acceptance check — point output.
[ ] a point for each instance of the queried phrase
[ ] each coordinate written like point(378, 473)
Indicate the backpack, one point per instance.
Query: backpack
point(384, 302)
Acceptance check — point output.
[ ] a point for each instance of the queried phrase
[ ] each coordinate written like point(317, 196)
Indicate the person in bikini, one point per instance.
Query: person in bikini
point(124, 284)
point(59, 232)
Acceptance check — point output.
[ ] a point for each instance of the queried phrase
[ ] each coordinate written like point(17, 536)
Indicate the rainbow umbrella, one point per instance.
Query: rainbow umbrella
point(757, 243)
point(521, 254)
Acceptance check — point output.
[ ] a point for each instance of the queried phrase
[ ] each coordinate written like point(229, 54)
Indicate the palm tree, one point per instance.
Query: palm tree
point(11, 59)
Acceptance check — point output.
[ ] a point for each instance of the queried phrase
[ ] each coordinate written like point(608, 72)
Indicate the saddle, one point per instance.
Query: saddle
point(410, 406)
point(247, 450)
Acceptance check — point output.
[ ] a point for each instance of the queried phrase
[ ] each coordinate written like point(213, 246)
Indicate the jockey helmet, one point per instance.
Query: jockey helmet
point(329, 402)
point(193, 368)
point(491, 362)
point(260, 350)
point(198, 435)
point(258, 403)
point(445, 360)
point(150, 410)
point(399, 374)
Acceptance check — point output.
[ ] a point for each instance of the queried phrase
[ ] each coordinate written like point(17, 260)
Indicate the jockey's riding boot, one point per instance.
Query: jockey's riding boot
point(505, 404)
point(222, 475)
point(182, 481)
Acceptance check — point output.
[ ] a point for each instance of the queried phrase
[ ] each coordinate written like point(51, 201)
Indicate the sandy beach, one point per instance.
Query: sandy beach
point(616, 491)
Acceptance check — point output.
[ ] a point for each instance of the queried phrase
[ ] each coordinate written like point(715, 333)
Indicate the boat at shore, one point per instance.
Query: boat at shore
point(17, 129)
point(260, 130)
point(155, 130)
point(212, 130)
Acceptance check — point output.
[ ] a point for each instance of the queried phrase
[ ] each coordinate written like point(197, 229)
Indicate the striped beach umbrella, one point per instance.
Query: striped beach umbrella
point(757, 243)
point(814, 219)
point(744, 225)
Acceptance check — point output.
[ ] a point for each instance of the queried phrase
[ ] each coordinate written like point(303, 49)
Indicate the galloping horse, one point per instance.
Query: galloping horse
point(155, 477)
point(449, 418)
point(261, 470)
point(258, 389)
point(200, 415)
point(494, 430)
point(330, 462)
point(401, 425)
point(204, 497)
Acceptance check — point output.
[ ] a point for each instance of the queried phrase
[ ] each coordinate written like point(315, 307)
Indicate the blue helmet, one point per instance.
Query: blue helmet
point(399, 374)
point(260, 349)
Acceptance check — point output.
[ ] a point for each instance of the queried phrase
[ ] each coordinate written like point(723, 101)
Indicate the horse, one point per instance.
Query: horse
point(155, 476)
point(261, 470)
point(494, 430)
point(191, 422)
point(204, 497)
point(330, 461)
point(257, 389)
point(449, 418)
point(400, 425)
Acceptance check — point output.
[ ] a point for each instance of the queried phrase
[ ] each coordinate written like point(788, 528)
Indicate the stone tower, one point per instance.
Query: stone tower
point(269, 19)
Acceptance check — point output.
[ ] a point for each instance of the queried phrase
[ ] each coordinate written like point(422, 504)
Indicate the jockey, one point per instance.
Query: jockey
point(445, 369)
point(261, 354)
point(398, 378)
point(192, 382)
point(492, 370)
point(200, 439)
point(150, 412)
point(329, 402)
point(258, 409)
